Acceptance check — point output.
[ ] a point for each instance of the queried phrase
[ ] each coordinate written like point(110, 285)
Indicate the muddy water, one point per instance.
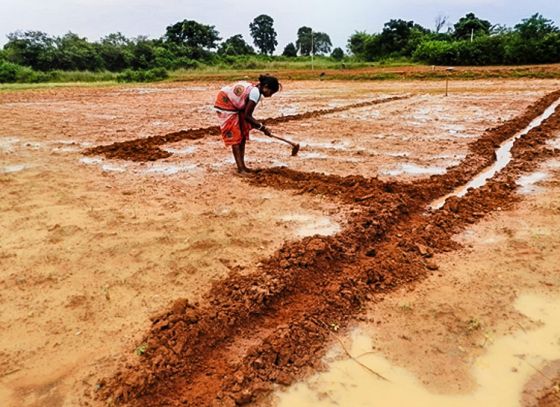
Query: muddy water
point(413, 169)
point(501, 372)
point(503, 157)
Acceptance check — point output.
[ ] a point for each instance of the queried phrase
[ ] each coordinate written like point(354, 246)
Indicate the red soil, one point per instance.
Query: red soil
point(272, 326)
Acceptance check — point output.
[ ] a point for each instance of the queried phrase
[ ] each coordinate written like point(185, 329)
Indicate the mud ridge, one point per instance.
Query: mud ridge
point(147, 149)
point(272, 326)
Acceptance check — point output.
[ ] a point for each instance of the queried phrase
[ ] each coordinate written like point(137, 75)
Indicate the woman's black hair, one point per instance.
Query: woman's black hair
point(271, 82)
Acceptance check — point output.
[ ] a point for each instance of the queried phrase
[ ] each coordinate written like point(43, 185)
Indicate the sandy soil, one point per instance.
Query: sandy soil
point(91, 248)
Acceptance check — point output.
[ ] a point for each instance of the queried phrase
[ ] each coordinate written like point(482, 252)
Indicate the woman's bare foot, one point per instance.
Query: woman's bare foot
point(244, 172)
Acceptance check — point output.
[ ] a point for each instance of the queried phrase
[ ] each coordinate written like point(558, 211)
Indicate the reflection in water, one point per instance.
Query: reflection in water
point(501, 373)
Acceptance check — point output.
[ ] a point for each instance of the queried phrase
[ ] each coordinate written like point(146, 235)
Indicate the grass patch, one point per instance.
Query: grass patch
point(53, 85)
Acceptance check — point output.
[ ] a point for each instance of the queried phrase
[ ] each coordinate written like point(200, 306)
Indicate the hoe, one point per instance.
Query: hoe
point(295, 147)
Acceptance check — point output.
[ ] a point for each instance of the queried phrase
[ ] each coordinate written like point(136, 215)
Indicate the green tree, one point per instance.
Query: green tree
point(303, 42)
point(471, 25)
point(337, 54)
point(76, 53)
point(115, 51)
point(192, 34)
point(31, 48)
point(535, 27)
point(290, 50)
point(143, 53)
point(534, 40)
point(235, 45)
point(365, 46)
point(321, 43)
point(397, 35)
point(263, 33)
point(357, 43)
point(307, 39)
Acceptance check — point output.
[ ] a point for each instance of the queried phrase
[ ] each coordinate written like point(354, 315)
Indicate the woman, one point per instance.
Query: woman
point(235, 105)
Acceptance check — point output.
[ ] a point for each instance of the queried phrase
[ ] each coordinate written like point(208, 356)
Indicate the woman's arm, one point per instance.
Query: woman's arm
point(248, 115)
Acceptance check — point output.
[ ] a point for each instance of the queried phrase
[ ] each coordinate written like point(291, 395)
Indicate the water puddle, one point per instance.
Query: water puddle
point(105, 166)
point(312, 155)
point(169, 169)
point(7, 144)
point(307, 144)
point(113, 168)
point(10, 169)
point(554, 143)
point(528, 183)
point(260, 139)
point(180, 151)
point(310, 225)
point(90, 160)
point(501, 373)
point(414, 170)
point(359, 115)
point(503, 157)
point(67, 149)
point(290, 110)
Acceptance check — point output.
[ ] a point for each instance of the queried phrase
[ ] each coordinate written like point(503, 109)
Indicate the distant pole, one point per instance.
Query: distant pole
point(312, 52)
point(449, 69)
point(472, 34)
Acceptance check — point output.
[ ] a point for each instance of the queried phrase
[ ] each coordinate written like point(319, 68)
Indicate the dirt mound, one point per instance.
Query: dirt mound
point(147, 149)
point(272, 326)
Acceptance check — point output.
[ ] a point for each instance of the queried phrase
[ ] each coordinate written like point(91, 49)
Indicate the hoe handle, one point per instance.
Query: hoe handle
point(284, 140)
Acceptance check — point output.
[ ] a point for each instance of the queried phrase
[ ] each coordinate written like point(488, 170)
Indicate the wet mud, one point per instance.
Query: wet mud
point(255, 330)
point(147, 149)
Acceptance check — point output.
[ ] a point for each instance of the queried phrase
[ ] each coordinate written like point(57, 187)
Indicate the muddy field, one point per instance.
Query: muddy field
point(137, 268)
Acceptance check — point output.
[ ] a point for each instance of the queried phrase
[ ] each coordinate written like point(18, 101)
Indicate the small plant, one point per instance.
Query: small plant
point(140, 350)
point(406, 307)
point(473, 324)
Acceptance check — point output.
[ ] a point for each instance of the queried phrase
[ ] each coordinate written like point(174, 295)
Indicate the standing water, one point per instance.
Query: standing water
point(501, 373)
point(503, 157)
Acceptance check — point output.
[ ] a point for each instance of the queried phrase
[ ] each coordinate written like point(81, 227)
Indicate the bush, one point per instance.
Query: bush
point(151, 75)
point(489, 50)
point(185, 63)
point(436, 53)
point(8, 72)
point(337, 54)
point(11, 73)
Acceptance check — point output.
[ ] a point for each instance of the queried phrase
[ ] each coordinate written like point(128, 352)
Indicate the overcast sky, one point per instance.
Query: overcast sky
point(338, 18)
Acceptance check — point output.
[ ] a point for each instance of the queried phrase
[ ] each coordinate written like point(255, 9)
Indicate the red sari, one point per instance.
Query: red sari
point(230, 105)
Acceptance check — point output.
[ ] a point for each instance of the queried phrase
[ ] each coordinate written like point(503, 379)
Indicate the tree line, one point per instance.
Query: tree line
point(189, 44)
point(470, 41)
